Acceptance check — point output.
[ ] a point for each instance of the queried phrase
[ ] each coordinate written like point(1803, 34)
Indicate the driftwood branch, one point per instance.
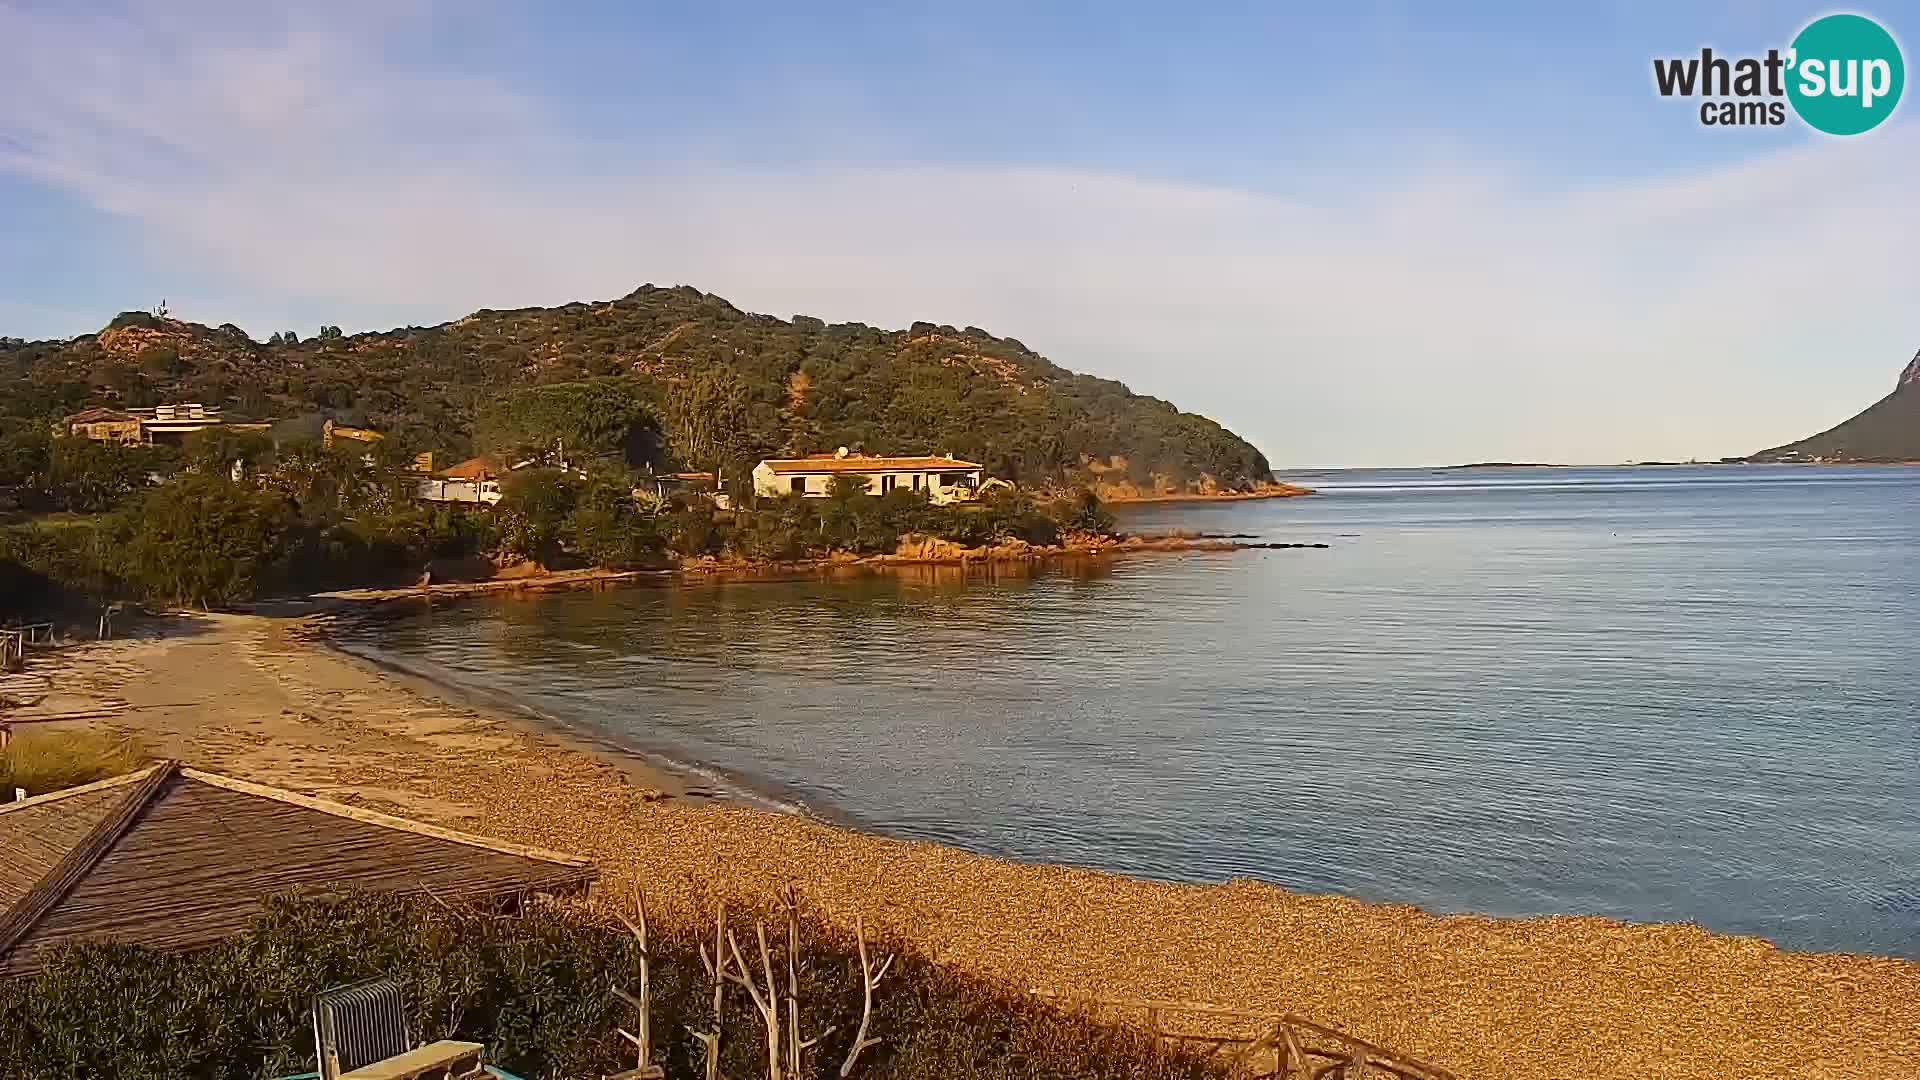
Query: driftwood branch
point(796, 1046)
point(870, 981)
point(767, 1003)
point(716, 966)
point(637, 926)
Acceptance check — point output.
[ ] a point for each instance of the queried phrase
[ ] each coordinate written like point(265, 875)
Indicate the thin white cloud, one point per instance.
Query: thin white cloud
point(1450, 315)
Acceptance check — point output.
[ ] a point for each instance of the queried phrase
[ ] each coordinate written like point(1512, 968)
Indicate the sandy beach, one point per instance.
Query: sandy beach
point(1534, 999)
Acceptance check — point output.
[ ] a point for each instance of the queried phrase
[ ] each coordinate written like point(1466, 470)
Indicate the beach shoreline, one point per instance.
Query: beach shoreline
point(262, 697)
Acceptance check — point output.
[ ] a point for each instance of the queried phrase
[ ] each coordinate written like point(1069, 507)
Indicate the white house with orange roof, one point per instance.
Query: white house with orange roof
point(945, 478)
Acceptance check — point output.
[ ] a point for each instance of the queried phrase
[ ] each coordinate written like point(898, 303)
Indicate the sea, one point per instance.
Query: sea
point(1653, 693)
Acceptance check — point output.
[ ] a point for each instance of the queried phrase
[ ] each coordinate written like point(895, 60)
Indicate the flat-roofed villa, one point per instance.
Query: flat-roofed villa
point(945, 479)
point(160, 425)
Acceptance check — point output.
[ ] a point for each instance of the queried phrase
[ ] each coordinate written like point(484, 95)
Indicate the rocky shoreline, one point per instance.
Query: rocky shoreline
point(1126, 497)
point(912, 552)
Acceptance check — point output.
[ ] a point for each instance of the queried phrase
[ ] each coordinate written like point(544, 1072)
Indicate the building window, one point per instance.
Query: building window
point(917, 478)
point(797, 485)
point(887, 482)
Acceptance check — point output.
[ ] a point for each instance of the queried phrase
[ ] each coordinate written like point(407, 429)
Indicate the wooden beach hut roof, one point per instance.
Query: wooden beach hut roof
point(176, 858)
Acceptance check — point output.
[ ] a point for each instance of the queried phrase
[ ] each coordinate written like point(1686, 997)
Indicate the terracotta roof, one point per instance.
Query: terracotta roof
point(474, 468)
point(855, 463)
point(99, 415)
point(172, 857)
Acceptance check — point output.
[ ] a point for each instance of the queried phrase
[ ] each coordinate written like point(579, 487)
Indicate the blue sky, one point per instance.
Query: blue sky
point(1358, 234)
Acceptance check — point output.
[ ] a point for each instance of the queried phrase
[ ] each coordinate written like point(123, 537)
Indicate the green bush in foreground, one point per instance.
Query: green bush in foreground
point(535, 989)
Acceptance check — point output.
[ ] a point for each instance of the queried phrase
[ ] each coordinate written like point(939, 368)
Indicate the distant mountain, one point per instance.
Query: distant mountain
point(808, 386)
point(1889, 430)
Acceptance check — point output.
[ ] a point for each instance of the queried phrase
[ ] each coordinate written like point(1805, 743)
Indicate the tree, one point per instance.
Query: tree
point(599, 420)
point(217, 450)
point(709, 417)
point(534, 513)
point(90, 477)
point(320, 481)
point(608, 529)
point(329, 333)
point(202, 541)
point(24, 450)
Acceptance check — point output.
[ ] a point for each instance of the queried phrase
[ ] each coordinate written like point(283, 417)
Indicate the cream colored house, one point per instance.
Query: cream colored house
point(945, 479)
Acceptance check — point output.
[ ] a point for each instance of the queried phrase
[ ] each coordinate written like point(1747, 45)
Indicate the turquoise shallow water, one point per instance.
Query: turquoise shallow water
point(1655, 694)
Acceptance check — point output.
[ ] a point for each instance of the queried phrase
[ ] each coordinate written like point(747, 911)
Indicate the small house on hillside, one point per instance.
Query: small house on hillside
point(475, 481)
point(945, 479)
point(169, 425)
point(175, 858)
point(162, 425)
point(103, 425)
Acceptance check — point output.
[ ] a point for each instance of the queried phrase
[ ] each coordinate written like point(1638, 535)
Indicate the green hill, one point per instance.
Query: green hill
point(793, 386)
point(1889, 430)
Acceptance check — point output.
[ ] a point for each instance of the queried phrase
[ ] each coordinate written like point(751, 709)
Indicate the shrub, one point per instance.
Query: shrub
point(532, 517)
point(1081, 512)
point(202, 541)
point(536, 990)
point(58, 561)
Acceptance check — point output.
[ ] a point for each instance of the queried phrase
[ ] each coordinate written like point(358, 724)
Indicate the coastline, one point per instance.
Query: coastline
point(261, 698)
point(921, 555)
point(1279, 491)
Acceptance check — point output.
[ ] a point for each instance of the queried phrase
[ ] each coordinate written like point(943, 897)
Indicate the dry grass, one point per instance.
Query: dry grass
point(44, 761)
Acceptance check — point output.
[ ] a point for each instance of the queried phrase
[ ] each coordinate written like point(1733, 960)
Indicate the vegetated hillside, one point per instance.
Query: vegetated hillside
point(1889, 430)
point(793, 387)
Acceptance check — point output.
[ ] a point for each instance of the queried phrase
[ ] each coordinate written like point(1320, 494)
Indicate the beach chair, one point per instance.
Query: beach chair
point(360, 1033)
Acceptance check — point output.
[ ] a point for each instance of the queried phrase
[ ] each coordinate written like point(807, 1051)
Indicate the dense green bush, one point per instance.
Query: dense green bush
point(536, 990)
point(607, 528)
point(62, 561)
point(202, 541)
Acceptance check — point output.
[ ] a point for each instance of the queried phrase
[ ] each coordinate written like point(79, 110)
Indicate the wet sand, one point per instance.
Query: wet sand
point(1528, 999)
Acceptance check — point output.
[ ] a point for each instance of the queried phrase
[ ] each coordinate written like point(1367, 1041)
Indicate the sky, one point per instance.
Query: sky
point(1357, 234)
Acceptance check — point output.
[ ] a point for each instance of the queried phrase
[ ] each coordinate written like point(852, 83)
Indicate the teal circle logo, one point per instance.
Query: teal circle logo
point(1845, 74)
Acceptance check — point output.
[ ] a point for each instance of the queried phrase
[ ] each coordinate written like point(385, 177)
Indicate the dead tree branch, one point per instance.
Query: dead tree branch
point(767, 1003)
point(642, 1042)
point(716, 966)
point(870, 981)
point(796, 1046)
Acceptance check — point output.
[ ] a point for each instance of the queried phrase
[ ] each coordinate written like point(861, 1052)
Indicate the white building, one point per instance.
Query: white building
point(173, 423)
point(944, 479)
point(474, 481)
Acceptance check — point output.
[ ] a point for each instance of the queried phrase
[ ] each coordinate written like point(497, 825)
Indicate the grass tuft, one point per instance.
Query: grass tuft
point(46, 761)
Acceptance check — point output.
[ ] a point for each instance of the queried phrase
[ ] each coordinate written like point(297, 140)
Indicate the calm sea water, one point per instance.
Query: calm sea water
point(1655, 694)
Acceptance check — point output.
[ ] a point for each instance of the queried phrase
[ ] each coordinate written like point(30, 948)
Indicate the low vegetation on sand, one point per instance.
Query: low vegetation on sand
point(42, 761)
point(537, 989)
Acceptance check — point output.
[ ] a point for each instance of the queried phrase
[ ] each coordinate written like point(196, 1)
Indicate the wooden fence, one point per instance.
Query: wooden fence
point(1262, 1046)
point(15, 639)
